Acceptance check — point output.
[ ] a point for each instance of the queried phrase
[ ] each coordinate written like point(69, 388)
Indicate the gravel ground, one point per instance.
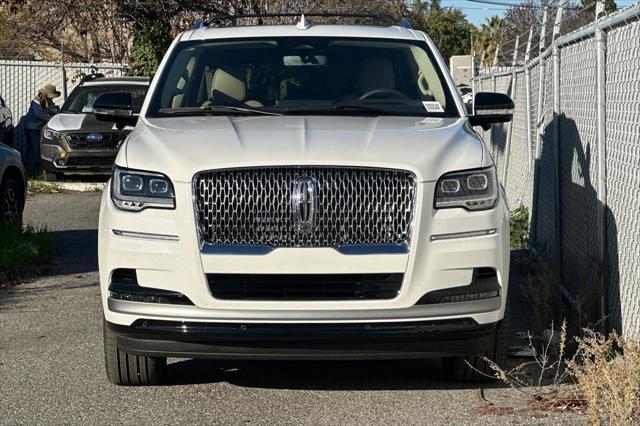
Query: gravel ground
point(51, 364)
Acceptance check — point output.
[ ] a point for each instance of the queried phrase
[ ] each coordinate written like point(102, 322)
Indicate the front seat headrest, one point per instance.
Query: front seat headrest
point(228, 83)
point(376, 74)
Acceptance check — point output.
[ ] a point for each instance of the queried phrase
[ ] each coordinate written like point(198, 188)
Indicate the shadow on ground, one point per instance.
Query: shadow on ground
point(319, 375)
point(77, 251)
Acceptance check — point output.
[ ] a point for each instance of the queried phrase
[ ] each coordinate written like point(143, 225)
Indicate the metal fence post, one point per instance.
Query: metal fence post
point(493, 89)
point(473, 74)
point(482, 71)
point(556, 133)
point(527, 94)
point(601, 135)
point(507, 146)
point(494, 65)
point(541, 68)
point(63, 72)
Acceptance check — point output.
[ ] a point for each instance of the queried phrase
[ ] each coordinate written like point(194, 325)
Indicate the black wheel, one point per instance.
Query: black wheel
point(130, 370)
point(473, 368)
point(11, 201)
point(51, 177)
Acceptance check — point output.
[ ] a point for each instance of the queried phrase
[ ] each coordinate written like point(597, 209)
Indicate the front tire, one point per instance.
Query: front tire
point(473, 368)
point(130, 370)
point(11, 202)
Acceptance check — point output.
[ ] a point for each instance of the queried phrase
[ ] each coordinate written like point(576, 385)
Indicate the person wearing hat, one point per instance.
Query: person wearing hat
point(40, 111)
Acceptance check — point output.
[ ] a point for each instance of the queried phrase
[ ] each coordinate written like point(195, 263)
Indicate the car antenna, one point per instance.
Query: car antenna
point(303, 24)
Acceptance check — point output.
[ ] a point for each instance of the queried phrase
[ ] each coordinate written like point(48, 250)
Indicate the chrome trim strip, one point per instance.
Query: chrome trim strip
point(416, 312)
point(145, 235)
point(263, 250)
point(381, 249)
point(236, 250)
point(484, 232)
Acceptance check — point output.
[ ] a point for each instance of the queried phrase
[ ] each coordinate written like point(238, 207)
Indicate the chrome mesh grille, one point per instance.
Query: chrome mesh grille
point(355, 206)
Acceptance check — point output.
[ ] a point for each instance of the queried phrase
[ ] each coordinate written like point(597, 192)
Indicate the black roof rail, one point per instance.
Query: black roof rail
point(90, 77)
point(234, 18)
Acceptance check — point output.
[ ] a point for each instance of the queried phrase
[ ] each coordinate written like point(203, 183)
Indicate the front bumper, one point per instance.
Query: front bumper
point(56, 159)
point(166, 256)
point(274, 341)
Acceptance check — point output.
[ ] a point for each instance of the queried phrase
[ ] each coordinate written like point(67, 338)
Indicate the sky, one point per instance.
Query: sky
point(477, 13)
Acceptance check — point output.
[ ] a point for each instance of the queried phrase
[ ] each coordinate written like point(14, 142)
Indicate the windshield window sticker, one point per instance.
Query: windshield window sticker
point(433, 106)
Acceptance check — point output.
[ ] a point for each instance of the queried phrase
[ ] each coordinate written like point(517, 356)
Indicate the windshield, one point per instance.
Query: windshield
point(302, 75)
point(81, 100)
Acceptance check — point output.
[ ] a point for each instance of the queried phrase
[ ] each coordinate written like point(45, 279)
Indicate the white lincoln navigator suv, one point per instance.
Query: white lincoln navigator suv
point(303, 192)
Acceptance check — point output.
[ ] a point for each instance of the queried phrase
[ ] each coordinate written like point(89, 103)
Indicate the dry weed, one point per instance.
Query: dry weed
point(540, 378)
point(607, 373)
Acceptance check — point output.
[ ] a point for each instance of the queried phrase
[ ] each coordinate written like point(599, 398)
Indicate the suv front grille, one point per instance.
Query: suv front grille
point(81, 141)
point(352, 207)
point(308, 287)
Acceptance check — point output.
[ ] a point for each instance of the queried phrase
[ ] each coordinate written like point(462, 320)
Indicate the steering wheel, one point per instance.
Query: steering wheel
point(381, 92)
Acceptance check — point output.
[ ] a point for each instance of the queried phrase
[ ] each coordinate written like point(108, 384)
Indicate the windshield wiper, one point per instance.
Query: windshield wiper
point(216, 109)
point(344, 106)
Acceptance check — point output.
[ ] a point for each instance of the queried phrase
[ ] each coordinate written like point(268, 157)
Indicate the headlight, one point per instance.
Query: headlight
point(135, 190)
point(52, 135)
point(470, 189)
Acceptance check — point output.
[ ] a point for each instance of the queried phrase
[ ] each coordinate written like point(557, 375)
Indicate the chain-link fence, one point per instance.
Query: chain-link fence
point(572, 154)
point(20, 80)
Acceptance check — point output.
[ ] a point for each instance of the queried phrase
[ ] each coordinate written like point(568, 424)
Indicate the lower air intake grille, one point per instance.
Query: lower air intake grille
point(309, 287)
point(90, 161)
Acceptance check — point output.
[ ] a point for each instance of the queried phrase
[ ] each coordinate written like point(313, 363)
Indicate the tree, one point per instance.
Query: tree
point(151, 39)
point(90, 30)
point(153, 20)
point(609, 5)
point(487, 38)
point(137, 32)
point(448, 27)
point(518, 20)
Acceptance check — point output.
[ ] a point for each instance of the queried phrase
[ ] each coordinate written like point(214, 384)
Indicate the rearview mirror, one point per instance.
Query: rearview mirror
point(304, 60)
point(490, 108)
point(116, 107)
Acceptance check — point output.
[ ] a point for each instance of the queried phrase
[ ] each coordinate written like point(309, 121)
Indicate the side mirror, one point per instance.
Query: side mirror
point(491, 108)
point(116, 107)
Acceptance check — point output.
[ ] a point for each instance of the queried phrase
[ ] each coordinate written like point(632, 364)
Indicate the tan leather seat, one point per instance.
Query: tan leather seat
point(228, 86)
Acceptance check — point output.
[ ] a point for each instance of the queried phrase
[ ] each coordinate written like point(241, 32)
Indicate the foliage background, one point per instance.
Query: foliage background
point(138, 32)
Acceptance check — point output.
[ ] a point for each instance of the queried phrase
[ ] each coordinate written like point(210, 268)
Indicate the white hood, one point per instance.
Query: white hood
point(182, 146)
point(61, 122)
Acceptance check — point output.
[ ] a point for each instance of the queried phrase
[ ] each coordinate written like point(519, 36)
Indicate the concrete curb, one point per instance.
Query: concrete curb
point(70, 186)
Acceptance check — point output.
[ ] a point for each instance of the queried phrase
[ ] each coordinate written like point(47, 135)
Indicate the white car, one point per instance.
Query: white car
point(303, 192)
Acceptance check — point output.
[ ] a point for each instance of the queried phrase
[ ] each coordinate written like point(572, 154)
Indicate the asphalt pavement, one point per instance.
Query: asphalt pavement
point(52, 368)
